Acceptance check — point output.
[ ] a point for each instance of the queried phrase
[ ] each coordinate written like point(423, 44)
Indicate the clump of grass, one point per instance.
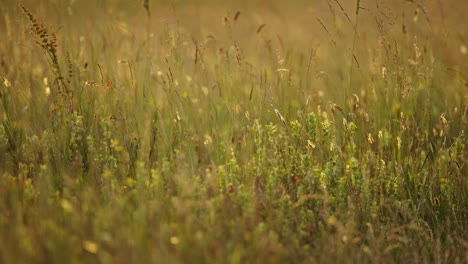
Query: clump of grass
point(173, 154)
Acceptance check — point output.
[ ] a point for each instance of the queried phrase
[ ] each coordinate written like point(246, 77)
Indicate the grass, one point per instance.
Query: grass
point(244, 132)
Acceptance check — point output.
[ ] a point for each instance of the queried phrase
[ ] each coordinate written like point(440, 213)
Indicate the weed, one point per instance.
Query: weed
point(333, 136)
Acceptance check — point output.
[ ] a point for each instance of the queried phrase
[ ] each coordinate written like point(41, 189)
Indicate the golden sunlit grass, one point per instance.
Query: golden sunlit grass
point(244, 131)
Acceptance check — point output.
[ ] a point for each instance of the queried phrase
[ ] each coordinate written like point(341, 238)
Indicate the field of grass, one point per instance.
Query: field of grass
point(242, 131)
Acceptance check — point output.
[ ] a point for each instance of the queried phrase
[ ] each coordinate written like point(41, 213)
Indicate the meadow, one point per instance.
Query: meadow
point(242, 131)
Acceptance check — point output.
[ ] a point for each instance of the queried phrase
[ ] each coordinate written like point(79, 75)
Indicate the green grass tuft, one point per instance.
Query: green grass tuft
point(242, 132)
